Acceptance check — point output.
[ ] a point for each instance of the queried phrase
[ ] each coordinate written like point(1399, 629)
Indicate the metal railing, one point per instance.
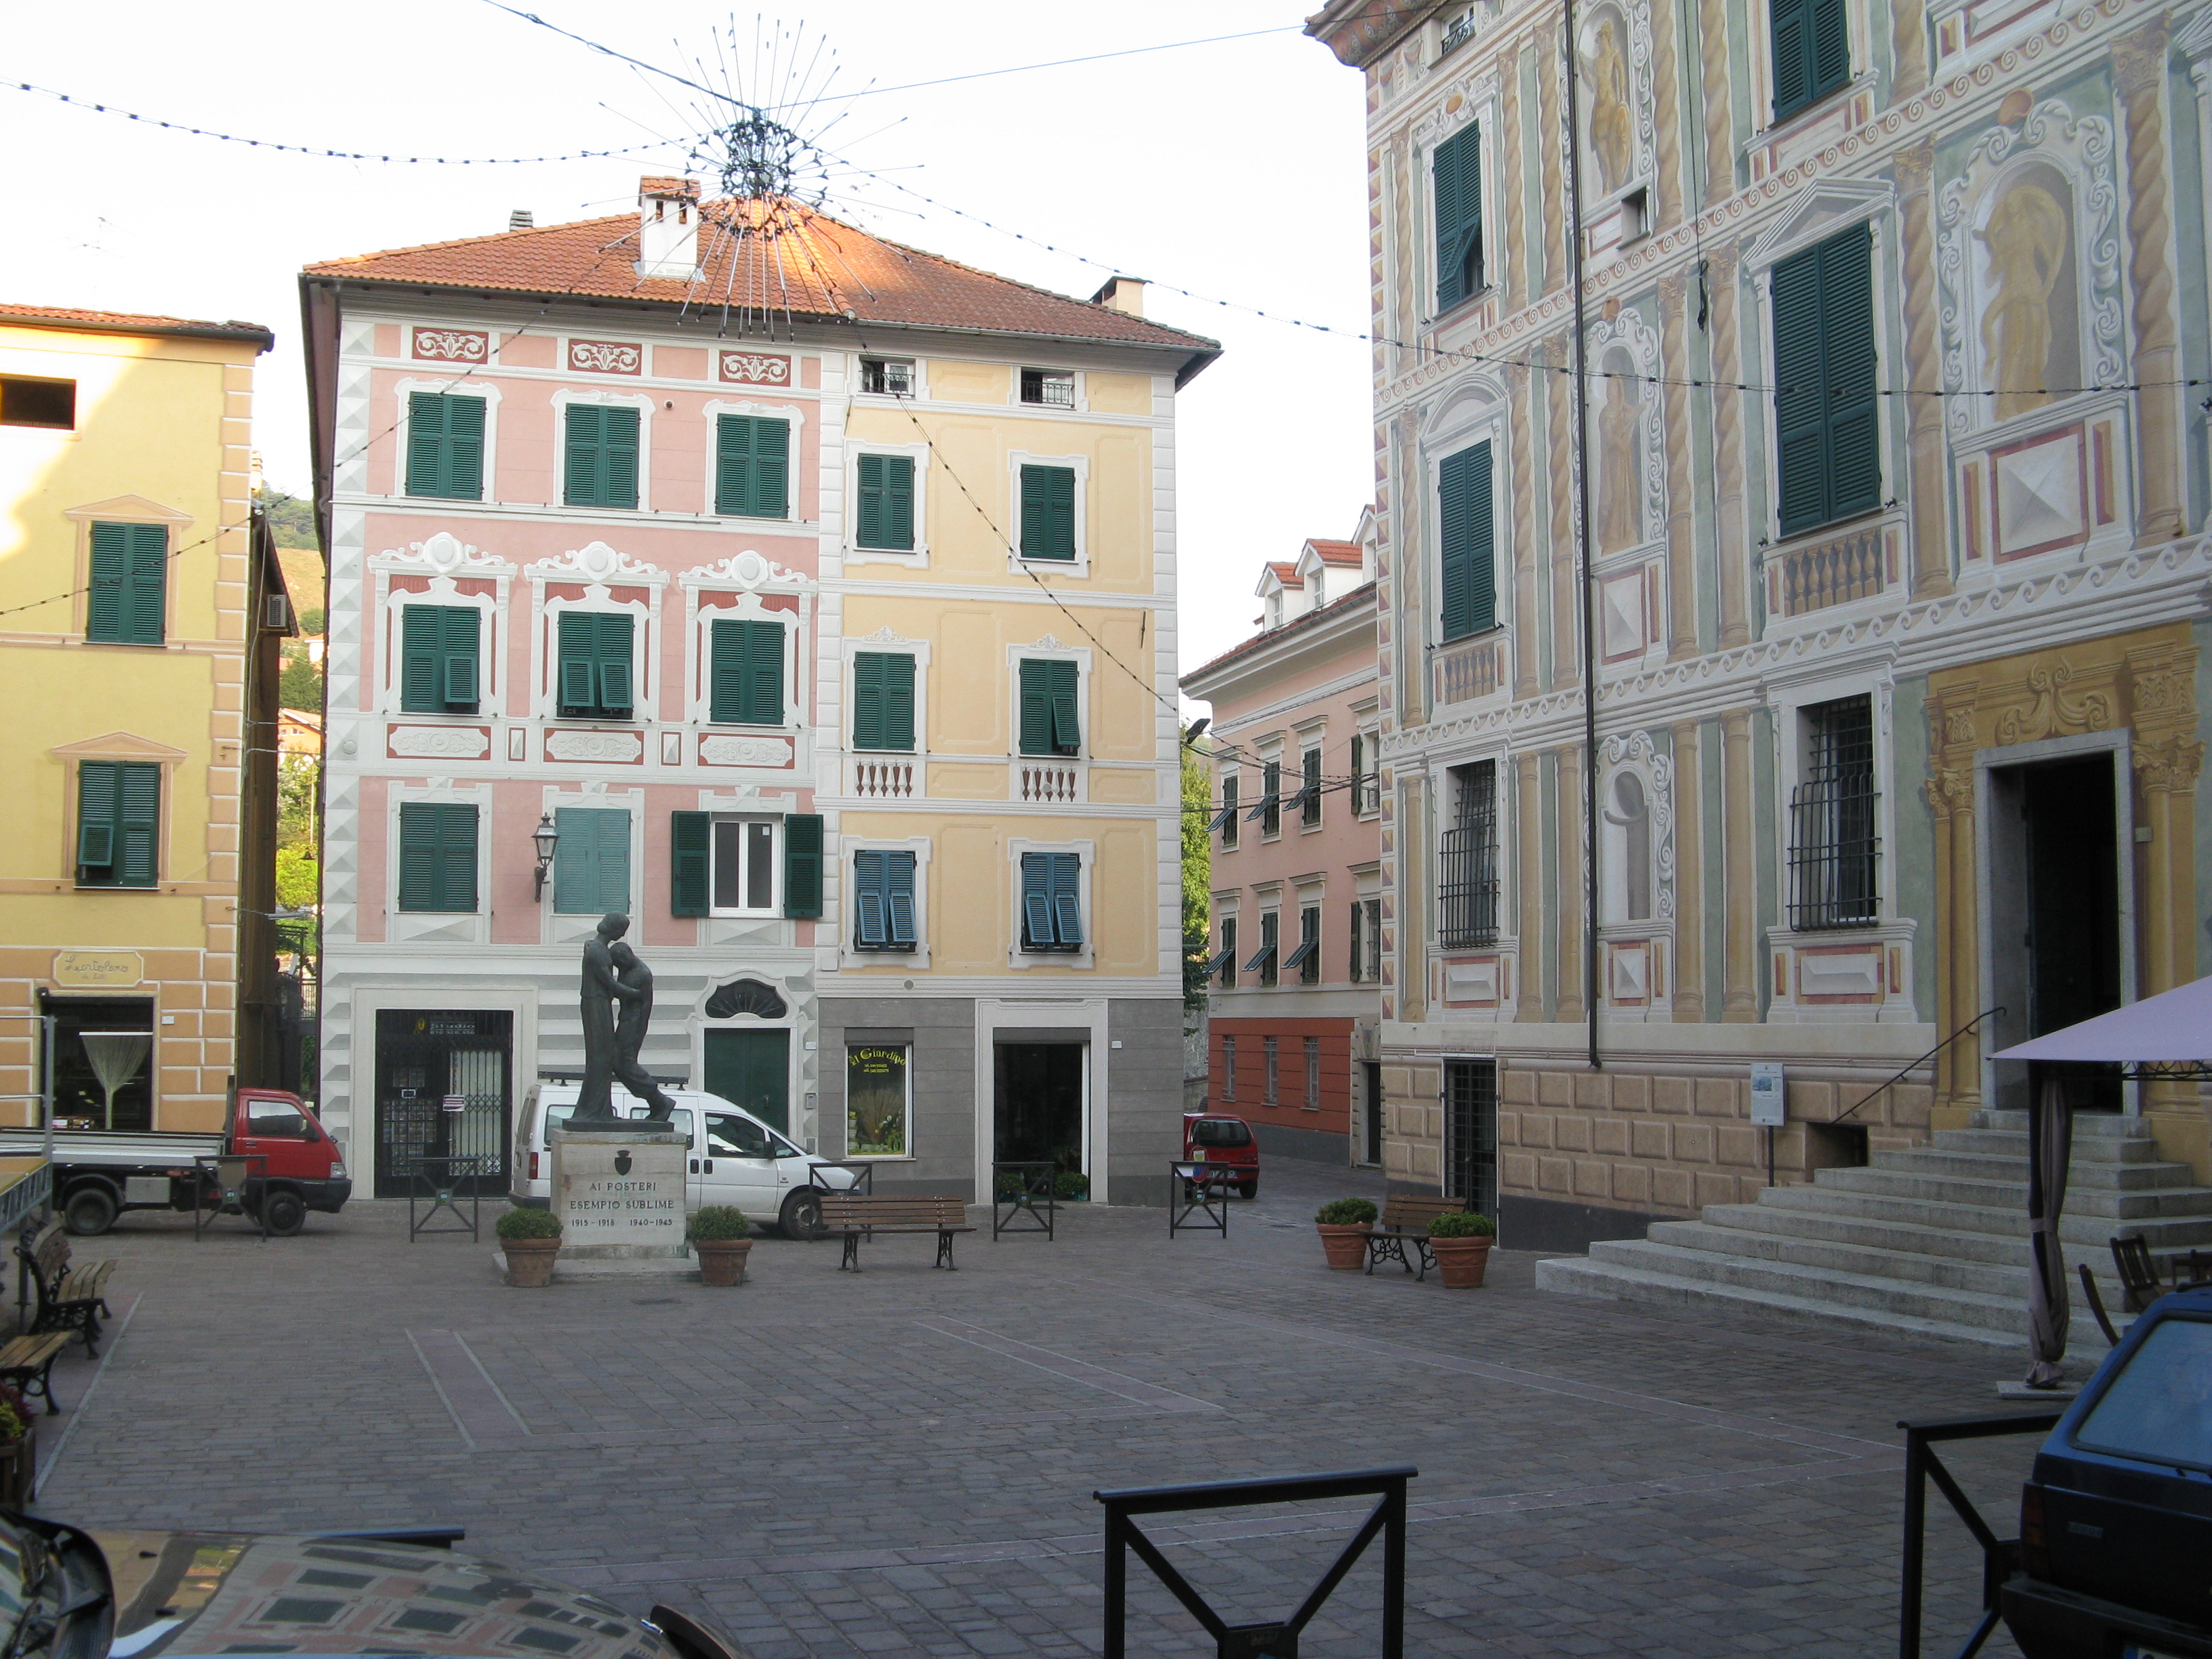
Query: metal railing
point(1915, 1064)
point(1276, 1638)
point(1035, 1193)
point(442, 1187)
point(1467, 885)
point(1196, 1187)
point(2000, 1556)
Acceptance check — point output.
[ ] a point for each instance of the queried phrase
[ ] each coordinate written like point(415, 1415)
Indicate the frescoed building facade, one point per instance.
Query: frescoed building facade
point(1848, 697)
point(1296, 827)
point(813, 597)
point(141, 612)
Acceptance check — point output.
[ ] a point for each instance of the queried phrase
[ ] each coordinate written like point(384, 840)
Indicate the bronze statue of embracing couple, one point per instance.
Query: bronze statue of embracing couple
point(613, 973)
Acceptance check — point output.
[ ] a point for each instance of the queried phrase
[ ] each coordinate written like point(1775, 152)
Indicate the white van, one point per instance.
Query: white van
point(733, 1158)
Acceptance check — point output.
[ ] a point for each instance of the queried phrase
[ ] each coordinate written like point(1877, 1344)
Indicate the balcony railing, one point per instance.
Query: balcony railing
point(874, 779)
point(1469, 669)
point(1852, 566)
point(1041, 780)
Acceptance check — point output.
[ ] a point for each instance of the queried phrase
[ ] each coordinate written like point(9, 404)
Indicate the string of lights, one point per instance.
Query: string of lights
point(320, 151)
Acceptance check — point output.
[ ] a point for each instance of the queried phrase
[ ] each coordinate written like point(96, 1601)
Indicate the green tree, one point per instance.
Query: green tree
point(299, 832)
point(301, 685)
point(1197, 868)
point(291, 519)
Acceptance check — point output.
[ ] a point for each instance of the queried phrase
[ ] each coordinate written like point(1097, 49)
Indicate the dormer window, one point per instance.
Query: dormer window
point(1054, 388)
point(1317, 586)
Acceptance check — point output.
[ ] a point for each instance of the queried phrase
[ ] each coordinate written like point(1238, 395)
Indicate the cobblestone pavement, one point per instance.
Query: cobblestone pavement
point(904, 1461)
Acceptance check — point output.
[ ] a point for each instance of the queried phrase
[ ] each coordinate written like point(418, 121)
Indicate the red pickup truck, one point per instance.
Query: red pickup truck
point(99, 1173)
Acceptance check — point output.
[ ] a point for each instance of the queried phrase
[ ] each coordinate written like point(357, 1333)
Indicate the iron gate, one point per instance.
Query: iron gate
point(423, 1055)
point(1471, 1133)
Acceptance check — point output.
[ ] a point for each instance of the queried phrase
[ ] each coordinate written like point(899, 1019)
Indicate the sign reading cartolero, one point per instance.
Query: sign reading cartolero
point(99, 967)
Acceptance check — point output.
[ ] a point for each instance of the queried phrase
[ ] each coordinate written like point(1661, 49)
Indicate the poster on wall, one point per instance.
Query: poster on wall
point(876, 1101)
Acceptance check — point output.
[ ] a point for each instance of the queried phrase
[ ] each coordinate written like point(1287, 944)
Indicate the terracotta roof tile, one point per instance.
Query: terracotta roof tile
point(1364, 593)
point(1337, 552)
point(1286, 573)
point(123, 322)
point(760, 256)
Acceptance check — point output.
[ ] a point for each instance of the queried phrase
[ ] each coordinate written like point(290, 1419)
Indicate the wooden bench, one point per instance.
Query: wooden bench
point(27, 1362)
point(64, 1298)
point(862, 1215)
point(1406, 1221)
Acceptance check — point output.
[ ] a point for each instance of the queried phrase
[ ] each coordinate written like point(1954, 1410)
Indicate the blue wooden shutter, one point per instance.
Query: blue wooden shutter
point(1048, 513)
point(871, 907)
point(576, 862)
point(802, 864)
point(868, 699)
point(1036, 900)
point(1456, 171)
point(99, 794)
point(690, 863)
point(1064, 878)
point(1848, 373)
point(898, 898)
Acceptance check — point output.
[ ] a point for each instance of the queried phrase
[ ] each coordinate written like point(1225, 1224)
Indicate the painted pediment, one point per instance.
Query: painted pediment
point(129, 509)
point(1819, 213)
point(119, 745)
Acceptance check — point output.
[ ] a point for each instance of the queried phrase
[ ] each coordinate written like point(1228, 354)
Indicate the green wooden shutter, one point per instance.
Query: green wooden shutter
point(457, 858)
point(1456, 171)
point(422, 656)
point(752, 466)
point(1064, 879)
point(137, 823)
point(1847, 372)
point(620, 426)
point(885, 513)
point(418, 856)
point(581, 425)
point(802, 864)
point(1790, 26)
point(465, 436)
point(458, 674)
point(1831, 47)
point(1067, 733)
point(579, 644)
point(1036, 901)
point(690, 863)
point(600, 459)
point(1466, 539)
point(1035, 707)
point(745, 677)
point(617, 655)
point(868, 699)
point(98, 796)
point(898, 702)
point(898, 899)
point(614, 863)
point(426, 445)
point(1048, 512)
point(1799, 395)
point(438, 857)
point(130, 574)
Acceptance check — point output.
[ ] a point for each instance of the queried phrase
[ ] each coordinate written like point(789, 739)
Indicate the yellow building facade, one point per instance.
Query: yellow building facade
point(138, 612)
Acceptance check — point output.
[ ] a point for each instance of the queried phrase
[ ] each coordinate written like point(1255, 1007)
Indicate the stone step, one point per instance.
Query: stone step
point(2004, 1276)
point(2087, 1126)
point(2126, 1205)
point(2080, 1224)
point(1870, 1232)
point(1945, 1162)
point(1581, 1276)
point(2013, 1143)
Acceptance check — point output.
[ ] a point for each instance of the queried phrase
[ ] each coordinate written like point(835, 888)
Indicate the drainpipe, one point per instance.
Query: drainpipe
point(1582, 538)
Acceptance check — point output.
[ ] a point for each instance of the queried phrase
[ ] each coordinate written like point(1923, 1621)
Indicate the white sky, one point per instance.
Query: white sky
point(1234, 170)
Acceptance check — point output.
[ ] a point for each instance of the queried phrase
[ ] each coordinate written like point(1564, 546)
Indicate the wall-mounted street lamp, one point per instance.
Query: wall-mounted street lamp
point(545, 838)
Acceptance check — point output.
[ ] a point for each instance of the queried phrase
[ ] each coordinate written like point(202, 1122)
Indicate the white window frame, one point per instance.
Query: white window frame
point(1080, 465)
point(1049, 649)
point(450, 386)
point(774, 906)
point(1475, 414)
point(890, 399)
point(491, 638)
point(710, 415)
point(838, 867)
point(647, 404)
point(1019, 960)
point(441, 927)
point(887, 643)
point(741, 605)
point(1079, 391)
point(917, 557)
point(1481, 112)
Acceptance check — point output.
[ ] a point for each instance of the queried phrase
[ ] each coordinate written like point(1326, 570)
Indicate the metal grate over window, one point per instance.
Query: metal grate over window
point(1833, 848)
point(1467, 860)
point(1470, 1102)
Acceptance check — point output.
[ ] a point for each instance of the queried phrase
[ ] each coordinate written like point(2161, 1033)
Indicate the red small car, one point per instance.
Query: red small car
point(1219, 1139)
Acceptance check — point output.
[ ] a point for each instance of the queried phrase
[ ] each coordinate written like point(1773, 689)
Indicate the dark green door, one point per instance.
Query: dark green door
point(752, 1069)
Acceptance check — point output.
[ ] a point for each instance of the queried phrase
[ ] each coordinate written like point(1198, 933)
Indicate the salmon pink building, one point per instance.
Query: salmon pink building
point(1296, 870)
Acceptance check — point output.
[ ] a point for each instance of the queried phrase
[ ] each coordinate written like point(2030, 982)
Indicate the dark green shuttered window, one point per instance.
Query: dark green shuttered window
point(1052, 905)
point(591, 870)
point(130, 572)
point(747, 686)
point(437, 856)
point(118, 823)
point(438, 654)
point(597, 680)
point(1048, 712)
point(1827, 430)
point(883, 900)
point(883, 700)
point(599, 462)
point(690, 863)
point(802, 864)
point(1812, 51)
point(1456, 172)
point(1048, 512)
point(753, 467)
point(886, 504)
point(445, 446)
point(1467, 543)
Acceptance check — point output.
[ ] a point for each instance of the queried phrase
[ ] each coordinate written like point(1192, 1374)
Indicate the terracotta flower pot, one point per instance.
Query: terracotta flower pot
point(1345, 1247)
point(1462, 1261)
point(530, 1261)
point(721, 1261)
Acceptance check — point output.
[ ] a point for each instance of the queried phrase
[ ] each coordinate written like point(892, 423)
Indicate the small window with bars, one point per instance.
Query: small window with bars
point(1272, 1048)
point(1052, 387)
point(887, 377)
point(1833, 848)
point(1229, 1068)
point(1313, 1074)
point(1467, 858)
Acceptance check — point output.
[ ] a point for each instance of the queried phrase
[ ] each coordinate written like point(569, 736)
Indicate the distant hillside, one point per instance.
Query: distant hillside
point(303, 578)
point(291, 519)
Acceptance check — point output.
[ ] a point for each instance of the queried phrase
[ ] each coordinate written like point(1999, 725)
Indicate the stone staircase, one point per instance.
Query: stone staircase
point(1931, 1240)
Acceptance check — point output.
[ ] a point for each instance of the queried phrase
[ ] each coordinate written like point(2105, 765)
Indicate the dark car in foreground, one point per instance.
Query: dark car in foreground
point(71, 1593)
point(2116, 1520)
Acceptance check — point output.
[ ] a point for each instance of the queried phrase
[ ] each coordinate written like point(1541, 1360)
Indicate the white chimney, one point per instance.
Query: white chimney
point(520, 219)
point(668, 227)
point(1124, 294)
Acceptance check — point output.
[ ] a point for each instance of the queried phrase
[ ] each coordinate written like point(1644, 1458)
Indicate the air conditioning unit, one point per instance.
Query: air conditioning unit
point(278, 618)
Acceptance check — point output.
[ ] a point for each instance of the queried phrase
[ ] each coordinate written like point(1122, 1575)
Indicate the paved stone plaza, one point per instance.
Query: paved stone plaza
point(904, 1461)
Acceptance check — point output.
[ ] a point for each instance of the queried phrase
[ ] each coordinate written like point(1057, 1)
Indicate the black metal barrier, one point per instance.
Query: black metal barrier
point(224, 1177)
point(1279, 1640)
point(1035, 1194)
point(2000, 1556)
point(1198, 1188)
point(439, 1190)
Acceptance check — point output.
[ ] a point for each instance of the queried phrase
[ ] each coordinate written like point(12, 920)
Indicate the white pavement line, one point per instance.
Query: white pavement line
point(498, 1393)
point(1763, 1428)
point(1074, 1370)
point(76, 1411)
point(444, 1399)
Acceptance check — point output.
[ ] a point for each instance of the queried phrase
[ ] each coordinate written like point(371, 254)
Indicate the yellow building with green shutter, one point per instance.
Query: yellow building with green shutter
point(141, 606)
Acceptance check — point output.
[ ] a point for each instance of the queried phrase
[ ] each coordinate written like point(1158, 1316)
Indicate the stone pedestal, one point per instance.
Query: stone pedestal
point(620, 1197)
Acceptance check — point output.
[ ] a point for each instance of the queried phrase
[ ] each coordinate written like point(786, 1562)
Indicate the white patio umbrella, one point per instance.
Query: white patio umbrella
point(116, 1057)
point(2171, 1034)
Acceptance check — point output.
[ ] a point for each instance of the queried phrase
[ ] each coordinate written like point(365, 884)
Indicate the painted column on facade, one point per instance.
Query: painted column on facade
point(1739, 898)
point(2139, 66)
point(1689, 1000)
point(1732, 546)
point(1923, 416)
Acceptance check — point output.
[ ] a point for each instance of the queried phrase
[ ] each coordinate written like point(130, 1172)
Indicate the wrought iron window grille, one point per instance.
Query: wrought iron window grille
point(1466, 864)
point(1834, 851)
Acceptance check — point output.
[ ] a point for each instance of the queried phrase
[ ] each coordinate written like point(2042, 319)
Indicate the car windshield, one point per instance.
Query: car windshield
point(1220, 1132)
point(2159, 1409)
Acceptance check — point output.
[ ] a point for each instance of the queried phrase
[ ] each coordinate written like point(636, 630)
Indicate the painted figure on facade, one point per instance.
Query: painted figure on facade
point(1620, 507)
point(602, 988)
point(636, 979)
point(2026, 241)
point(1611, 139)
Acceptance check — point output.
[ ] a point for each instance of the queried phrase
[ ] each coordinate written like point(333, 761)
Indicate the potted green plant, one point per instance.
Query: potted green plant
point(18, 1449)
point(721, 1238)
point(1461, 1241)
point(1071, 1184)
point(530, 1239)
point(1343, 1224)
